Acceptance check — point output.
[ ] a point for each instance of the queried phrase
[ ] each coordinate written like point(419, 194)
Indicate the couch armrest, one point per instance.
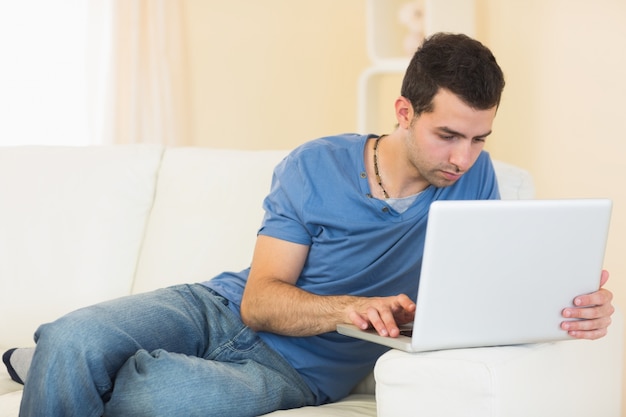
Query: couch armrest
point(570, 378)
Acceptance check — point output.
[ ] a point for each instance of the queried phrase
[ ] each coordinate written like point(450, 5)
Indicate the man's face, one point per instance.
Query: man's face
point(443, 144)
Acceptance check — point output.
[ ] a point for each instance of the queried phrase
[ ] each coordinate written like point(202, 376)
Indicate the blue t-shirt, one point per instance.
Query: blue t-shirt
point(359, 246)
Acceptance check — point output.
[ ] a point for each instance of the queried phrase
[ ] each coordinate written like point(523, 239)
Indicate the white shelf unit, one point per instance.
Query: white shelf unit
point(379, 84)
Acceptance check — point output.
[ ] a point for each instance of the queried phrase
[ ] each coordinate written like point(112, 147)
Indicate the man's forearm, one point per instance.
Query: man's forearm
point(272, 302)
point(282, 308)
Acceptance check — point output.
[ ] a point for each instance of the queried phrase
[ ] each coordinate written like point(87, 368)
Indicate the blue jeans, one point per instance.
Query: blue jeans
point(179, 351)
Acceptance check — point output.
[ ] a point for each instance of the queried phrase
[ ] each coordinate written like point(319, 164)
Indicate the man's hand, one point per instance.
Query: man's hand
point(384, 314)
point(595, 308)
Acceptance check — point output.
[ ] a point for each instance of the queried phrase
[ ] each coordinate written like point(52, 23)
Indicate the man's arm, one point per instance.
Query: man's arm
point(595, 308)
point(273, 303)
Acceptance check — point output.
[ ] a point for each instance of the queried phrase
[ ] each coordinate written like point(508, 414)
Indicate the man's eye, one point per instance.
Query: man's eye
point(446, 137)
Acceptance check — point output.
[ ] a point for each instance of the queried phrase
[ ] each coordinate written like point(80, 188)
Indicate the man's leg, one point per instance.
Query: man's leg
point(245, 383)
point(77, 357)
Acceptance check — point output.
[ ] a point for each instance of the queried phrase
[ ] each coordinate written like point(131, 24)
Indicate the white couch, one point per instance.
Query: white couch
point(82, 225)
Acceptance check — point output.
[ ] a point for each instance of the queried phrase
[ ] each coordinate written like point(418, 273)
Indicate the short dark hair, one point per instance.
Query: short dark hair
point(458, 63)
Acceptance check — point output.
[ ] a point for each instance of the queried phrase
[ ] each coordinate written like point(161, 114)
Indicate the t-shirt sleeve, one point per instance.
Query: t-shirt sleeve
point(283, 205)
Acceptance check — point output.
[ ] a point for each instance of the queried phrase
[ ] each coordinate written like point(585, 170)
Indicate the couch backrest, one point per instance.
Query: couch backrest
point(72, 221)
point(206, 213)
point(514, 183)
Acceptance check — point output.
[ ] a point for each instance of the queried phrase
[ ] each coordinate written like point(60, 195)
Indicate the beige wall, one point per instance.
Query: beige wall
point(276, 73)
point(273, 73)
point(563, 109)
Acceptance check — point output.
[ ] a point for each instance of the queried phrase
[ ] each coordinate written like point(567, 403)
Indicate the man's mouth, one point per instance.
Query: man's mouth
point(451, 176)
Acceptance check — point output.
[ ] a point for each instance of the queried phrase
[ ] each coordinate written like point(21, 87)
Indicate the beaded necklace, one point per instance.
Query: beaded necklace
point(378, 179)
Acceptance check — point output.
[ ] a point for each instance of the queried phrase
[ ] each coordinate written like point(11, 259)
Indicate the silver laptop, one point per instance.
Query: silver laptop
point(500, 272)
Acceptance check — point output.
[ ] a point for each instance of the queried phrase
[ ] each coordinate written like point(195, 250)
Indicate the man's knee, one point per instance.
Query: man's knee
point(144, 386)
point(68, 331)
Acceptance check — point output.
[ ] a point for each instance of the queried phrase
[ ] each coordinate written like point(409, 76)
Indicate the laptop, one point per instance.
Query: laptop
point(500, 272)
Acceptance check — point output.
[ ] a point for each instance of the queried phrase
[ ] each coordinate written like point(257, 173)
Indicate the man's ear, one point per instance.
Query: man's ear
point(404, 112)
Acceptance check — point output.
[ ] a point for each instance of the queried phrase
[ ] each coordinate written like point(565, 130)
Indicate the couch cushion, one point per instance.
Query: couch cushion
point(7, 385)
point(72, 222)
point(356, 405)
point(207, 211)
point(10, 404)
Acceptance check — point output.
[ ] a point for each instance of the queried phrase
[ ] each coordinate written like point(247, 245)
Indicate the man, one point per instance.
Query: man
point(341, 242)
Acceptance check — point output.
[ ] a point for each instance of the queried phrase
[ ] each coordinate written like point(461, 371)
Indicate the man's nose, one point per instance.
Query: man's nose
point(461, 155)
